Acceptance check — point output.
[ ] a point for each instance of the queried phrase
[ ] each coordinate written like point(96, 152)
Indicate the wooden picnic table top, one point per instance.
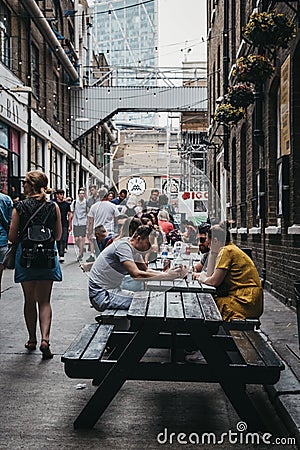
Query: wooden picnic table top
point(175, 307)
point(180, 285)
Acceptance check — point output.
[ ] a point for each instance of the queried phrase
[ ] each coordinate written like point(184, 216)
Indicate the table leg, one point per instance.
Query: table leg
point(218, 361)
point(116, 377)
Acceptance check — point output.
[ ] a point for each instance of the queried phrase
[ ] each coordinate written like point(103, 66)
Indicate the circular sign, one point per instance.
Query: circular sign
point(136, 185)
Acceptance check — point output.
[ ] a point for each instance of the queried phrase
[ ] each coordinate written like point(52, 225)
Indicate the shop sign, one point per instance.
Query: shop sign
point(136, 185)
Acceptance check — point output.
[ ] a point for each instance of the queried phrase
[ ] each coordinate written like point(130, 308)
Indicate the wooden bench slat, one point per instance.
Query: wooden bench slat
point(109, 313)
point(191, 306)
point(97, 346)
point(174, 307)
point(247, 324)
point(209, 308)
point(246, 349)
point(263, 348)
point(76, 349)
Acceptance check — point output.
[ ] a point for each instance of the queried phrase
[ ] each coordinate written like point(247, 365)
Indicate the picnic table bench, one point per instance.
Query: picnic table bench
point(173, 321)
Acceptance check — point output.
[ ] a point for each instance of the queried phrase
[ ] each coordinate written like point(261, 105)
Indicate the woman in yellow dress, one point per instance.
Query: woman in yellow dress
point(233, 273)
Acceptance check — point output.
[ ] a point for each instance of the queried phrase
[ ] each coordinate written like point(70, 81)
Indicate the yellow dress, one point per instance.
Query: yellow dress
point(245, 294)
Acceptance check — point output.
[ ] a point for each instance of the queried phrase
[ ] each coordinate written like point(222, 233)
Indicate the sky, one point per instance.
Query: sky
point(182, 26)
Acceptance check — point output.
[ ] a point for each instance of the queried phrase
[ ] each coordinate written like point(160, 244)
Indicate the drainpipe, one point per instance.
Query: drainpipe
point(47, 32)
point(225, 79)
point(109, 133)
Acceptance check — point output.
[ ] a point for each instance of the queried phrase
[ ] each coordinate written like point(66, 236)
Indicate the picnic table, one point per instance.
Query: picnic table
point(171, 320)
point(180, 285)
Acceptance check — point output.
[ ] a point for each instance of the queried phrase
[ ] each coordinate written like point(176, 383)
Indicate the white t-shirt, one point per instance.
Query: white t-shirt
point(108, 271)
point(79, 210)
point(104, 214)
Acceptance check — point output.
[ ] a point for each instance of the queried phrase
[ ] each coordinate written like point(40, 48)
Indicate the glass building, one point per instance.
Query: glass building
point(126, 32)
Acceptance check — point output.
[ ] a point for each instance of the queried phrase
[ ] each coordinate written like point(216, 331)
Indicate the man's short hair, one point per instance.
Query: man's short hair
point(154, 190)
point(123, 191)
point(143, 230)
point(82, 189)
point(100, 229)
point(60, 191)
point(93, 186)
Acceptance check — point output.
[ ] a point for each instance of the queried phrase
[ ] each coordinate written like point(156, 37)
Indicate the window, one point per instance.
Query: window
point(5, 35)
point(35, 71)
point(37, 156)
point(56, 169)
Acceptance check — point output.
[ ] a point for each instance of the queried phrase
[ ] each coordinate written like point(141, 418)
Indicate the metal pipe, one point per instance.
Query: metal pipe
point(109, 133)
point(47, 32)
point(225, 79)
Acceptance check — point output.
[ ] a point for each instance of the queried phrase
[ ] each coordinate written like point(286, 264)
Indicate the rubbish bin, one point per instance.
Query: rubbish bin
point(297, 298)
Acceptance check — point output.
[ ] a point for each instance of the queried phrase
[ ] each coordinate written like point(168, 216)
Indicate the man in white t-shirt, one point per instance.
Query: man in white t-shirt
point(124, 256)
point(79, 221)
point(101, 213)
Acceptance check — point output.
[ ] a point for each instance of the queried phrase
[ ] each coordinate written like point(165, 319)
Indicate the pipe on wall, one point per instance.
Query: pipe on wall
point(47, 32)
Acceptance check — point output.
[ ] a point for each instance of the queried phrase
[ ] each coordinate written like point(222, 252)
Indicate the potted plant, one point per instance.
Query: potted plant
point(240, 95)
point(269, 29)
point(253, 69)
point(229, 114)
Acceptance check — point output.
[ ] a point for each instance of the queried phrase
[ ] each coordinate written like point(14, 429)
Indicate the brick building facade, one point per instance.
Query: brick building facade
point(254, 165)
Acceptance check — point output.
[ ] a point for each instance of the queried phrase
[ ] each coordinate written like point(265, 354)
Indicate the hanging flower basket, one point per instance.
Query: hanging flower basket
point(227, 113)
point(240, 95)
point(253, 69)
point(269, 29)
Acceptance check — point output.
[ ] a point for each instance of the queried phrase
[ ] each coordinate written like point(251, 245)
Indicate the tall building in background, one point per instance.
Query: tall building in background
point(126, 32)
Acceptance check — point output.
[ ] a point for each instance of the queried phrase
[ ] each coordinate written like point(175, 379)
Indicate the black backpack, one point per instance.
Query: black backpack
point(38, 244)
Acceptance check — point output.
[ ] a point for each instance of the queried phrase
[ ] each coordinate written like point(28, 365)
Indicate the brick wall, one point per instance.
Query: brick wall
point(278, 254)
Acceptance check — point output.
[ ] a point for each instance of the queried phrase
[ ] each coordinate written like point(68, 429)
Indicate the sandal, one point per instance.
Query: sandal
point(45, 349)
point(30, 345)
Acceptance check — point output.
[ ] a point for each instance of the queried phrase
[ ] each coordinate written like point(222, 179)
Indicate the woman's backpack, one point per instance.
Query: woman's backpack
point(38, 245)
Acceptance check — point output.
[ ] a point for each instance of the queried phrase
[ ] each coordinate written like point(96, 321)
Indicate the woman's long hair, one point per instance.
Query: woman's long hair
point(39, 184)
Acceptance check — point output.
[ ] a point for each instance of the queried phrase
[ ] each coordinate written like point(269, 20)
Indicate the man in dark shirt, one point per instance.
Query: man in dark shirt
point(121, 199)
point(65, 213)
point(153, 203)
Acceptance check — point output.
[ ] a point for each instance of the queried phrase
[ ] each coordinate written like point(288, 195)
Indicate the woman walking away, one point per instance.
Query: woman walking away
point(36, 268)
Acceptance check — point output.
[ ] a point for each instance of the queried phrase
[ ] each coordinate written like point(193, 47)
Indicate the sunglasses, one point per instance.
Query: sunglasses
point(26, 181)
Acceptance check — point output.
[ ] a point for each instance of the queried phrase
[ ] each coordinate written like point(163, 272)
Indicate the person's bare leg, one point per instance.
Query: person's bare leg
point(43, 291)
point(30, 308)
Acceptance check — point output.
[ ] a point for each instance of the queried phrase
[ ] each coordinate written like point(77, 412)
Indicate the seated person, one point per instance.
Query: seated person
point(232, 270)
point(203, 248)
point(120, 258)
point(189, 235)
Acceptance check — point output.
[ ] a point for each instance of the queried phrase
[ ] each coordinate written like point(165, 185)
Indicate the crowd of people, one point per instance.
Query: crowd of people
point(123, 234)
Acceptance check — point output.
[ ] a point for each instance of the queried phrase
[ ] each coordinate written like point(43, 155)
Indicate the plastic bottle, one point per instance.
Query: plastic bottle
point(164, 251)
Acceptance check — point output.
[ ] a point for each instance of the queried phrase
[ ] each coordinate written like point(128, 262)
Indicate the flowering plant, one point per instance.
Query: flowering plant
point(269, 29)
point(253, 68)
point(228, 114)
point(240, 95)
